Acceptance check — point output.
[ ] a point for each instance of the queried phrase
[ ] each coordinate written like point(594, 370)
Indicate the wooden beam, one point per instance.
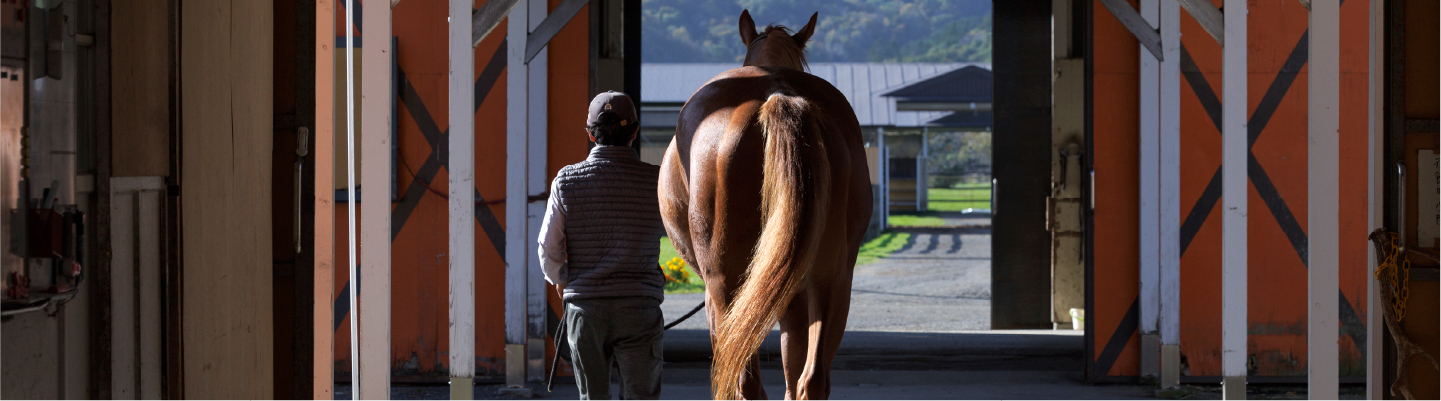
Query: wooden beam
point(553, 23)
point(517, 232)
point(373, 382)
point(1235, 149)
point(537, 185)
point(1133, 22)
point(1150, 263)
point(1169, 321)
point(1323, 149)
point(462, 203)
point(1208, 16)
point(1376, 133)
point(487, 17)
point(323, 375)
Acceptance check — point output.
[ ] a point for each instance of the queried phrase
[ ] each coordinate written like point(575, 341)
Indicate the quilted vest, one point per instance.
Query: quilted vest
point(612, 225)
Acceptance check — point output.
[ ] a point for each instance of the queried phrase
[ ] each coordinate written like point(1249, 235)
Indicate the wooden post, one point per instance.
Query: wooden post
point(1375, 379)
point(462, 202)
point(324, 324)
point(1150, 199)
point(536, 185)
point(1323, 148)
point(1170, 187)
point(516, 233)
point(374, 378)
point(1234, 152)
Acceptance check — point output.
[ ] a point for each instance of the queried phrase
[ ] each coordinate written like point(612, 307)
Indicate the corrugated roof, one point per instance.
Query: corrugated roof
point(864, 85)
point(966, 84)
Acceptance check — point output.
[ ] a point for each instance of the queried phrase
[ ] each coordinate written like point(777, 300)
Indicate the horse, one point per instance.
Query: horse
point(766, 190)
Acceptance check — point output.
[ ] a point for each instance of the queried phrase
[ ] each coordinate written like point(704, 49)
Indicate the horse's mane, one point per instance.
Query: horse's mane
point(789, 49)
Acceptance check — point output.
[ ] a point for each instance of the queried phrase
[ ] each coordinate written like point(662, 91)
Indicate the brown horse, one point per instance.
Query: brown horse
point(766, 190)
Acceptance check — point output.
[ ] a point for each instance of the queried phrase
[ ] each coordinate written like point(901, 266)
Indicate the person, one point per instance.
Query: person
point(599, 244)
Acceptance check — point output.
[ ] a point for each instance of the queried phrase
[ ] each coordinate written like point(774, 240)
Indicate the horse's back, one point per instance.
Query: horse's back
point(719, 127)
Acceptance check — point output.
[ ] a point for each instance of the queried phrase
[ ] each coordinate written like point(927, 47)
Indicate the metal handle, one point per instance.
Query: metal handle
point(1401, 203)
point(302, 139)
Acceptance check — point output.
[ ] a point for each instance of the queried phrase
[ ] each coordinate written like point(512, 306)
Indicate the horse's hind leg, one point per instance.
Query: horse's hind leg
point(829, 304)
point(795, 341)
point(717, 301)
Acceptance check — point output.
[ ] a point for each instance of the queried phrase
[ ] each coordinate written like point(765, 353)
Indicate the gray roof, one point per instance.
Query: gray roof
point(864, 85)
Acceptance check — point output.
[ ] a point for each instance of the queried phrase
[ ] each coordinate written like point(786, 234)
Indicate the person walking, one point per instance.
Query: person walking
point(599, 245)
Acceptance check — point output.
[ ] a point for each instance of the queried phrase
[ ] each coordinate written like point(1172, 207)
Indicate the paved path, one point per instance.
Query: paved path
point(939, 281)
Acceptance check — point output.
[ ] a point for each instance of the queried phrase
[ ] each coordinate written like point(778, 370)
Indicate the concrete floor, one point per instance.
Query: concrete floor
point(917, 330)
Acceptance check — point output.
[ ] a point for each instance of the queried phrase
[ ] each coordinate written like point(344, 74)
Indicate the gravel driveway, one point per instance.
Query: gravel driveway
point(939, 281)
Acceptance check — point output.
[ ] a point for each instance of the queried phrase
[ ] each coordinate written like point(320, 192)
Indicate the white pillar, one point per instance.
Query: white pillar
point(516, 228)
point(351, 199)
point(462, 202)
point(1323, 298)
point(1169, 320)
point(1234, 150)
point(1375, 382)
point(1150, 136)
point(374, 379)
point(537, 185)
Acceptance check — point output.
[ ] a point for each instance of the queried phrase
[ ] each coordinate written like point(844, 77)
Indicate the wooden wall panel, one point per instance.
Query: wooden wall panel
point(226, 138)
point(1422, 60)
point(140, 89)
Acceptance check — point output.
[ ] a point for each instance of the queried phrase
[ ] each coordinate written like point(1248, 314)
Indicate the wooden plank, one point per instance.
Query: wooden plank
point(375, 175)
point(323, 373)
point(1323, 149)
point(1208, 16)
point(226, 64)
point(148, 273)
point(516, 233)
point(1376, 387)
point(1235, 150)
point(123, 258)
point(140, 90)
point(1149, 37)
point(538, 84)
point(1150, 169)
point(1168, 322)
point(489, 16)
point(541, 34)
point(462, 203)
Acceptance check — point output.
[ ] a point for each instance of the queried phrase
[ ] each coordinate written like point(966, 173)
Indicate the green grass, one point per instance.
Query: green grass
point(881, 247)
point(967, 196)
point(912, 219)
point(694, 285)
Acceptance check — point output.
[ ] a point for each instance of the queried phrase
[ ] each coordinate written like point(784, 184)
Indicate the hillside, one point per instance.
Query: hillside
point(692, 31)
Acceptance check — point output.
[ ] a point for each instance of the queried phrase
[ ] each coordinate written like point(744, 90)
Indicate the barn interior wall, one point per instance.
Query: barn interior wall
point(45, 351)
point(420, 234)
point(1277, 110)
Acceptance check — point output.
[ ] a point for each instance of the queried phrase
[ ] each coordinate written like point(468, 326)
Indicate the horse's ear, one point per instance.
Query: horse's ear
point(805, 33)
point(748, 28)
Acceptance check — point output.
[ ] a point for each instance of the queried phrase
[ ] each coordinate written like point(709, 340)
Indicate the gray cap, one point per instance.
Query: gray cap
point(611, 102)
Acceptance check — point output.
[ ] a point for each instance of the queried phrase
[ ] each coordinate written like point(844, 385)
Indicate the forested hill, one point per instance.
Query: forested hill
point(705, 31)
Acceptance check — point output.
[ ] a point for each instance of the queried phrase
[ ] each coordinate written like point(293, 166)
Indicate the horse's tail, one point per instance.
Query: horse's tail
point(794, 196)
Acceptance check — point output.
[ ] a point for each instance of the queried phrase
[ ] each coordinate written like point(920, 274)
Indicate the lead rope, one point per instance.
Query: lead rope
point(560, 337)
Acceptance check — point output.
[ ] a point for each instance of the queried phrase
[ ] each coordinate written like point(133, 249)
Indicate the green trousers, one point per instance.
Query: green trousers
point(624, 331)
